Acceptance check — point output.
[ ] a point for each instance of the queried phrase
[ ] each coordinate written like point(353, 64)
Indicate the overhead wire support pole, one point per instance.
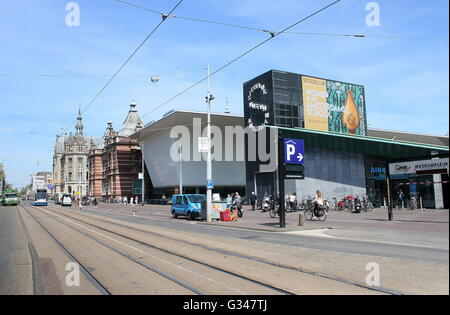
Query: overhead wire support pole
point(209, 98)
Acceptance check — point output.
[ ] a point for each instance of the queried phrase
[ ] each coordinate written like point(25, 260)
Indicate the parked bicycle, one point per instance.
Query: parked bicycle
point(414, 203)
point(367, 205)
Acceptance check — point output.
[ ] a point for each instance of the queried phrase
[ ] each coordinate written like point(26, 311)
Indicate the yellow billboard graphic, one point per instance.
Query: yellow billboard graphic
point(315, 103)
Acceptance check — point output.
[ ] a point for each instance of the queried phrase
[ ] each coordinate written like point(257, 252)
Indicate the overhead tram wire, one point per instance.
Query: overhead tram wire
point(164, 18)
point(273, 35)
point(55, 75)
point(273, 31)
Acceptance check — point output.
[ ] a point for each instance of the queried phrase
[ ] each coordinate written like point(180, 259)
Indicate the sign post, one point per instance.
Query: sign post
point(282, 212)
point(290, 166)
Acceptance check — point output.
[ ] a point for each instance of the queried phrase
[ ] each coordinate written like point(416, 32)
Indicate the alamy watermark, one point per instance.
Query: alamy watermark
point(227, 144)
point(373, 277)
point(73, 277)
point(73, 17)
point(374, 17)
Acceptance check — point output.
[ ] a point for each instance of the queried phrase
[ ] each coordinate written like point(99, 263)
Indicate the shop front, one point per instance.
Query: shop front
point(425, 180)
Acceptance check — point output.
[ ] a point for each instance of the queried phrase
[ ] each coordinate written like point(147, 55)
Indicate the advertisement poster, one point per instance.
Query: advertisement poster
point(333, 106)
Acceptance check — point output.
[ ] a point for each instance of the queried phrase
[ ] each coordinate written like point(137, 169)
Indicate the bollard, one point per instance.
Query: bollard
point(301, 218)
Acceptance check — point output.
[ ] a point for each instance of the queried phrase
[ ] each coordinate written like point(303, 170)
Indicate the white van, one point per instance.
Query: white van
point(66, 200)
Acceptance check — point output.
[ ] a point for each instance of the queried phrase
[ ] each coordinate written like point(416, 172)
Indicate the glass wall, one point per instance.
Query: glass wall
point(376, 185)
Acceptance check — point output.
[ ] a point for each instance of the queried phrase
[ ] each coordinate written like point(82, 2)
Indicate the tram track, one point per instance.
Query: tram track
point(101, 288)
point(226, 252)
point(273, 289)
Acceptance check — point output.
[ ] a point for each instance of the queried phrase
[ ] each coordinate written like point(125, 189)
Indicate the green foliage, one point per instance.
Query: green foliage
point(2, 171)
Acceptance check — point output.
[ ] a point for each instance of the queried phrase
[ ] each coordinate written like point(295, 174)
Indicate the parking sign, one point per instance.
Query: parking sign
point(294, 150)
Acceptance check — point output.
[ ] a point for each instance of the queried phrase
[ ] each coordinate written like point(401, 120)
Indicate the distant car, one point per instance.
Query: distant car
point(66, 200)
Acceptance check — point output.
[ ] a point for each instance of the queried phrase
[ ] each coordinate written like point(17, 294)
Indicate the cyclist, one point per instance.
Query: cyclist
point(318, 203)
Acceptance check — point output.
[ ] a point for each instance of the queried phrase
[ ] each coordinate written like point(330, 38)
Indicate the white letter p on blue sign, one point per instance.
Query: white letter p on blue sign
point(294, 151)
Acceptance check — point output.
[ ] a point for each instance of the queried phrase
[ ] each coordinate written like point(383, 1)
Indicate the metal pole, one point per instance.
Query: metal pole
point(281, 176)
point(389, 201)
point(181, 168)
point(208, 162)
point(143, 177)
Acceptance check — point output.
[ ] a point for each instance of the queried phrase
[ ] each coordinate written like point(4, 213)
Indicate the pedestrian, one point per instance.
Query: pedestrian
point(136, 200)
point(80, 204)
point(401, 196)
point(292, 201)
point(253, 199)
point(229, 201)
point(237, 200)
point(131, 201)
point(125, 200)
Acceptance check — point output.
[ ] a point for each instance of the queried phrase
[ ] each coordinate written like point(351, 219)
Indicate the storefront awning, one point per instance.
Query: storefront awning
point(371, 146)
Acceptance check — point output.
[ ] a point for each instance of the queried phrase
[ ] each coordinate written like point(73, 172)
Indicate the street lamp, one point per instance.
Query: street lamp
point(209, 182)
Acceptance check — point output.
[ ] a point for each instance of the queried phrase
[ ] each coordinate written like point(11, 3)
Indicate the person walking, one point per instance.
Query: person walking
point(137, 200)
point(401, 196)
point(229, 201)
point(253, 199)
point(125, 200)
point(80, 204)
point(131, 201)
point(292, 201)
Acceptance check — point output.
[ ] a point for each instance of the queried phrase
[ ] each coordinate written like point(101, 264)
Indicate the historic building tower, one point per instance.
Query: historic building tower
point(70, 162)
point(114, 164)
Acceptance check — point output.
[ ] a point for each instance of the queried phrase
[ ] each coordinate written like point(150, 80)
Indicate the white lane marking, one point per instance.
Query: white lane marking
point(320, 233)
point(315, 233)
point(145, 253)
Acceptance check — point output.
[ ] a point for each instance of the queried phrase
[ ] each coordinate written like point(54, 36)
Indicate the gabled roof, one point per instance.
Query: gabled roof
point(130, 123)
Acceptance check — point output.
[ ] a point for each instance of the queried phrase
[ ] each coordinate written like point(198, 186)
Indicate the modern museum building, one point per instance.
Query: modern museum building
point(342, 155)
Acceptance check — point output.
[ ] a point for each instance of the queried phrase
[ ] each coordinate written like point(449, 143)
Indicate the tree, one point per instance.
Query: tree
point(2, 171)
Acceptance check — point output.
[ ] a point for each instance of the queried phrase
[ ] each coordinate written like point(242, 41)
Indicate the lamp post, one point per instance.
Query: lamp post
point(209, 98)
point(143, 177)
point(180, 150)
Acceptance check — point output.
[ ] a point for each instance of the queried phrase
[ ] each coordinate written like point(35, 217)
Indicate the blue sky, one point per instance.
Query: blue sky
point(406, 80)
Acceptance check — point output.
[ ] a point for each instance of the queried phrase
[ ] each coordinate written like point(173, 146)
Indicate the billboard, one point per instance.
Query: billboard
point(333, 106)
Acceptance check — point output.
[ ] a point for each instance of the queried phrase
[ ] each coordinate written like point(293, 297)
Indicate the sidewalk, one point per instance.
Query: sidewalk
point(435, 221)
point(428, 228)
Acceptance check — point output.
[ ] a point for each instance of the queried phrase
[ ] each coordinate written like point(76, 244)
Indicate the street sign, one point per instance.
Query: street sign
point(209, 184)
point(294, 151)
point(202, 144)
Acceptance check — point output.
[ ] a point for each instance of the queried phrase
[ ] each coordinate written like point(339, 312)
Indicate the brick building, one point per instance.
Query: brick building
point(115, 164)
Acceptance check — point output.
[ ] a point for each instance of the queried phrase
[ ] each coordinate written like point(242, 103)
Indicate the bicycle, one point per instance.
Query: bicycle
point(320, 214)
point(367, 205)
point(274, 208)
point(414, 201)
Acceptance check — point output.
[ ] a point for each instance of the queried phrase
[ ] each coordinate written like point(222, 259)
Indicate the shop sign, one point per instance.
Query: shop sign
point(378, 173)
point(413, 167)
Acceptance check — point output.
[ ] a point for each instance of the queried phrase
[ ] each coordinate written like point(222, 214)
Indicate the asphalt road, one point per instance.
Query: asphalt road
point(377, 249)
point(118, 251)
point(15, 259)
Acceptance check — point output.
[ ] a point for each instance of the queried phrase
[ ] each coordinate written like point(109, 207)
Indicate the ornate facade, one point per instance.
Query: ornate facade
point(114, 164)
point(70, 162)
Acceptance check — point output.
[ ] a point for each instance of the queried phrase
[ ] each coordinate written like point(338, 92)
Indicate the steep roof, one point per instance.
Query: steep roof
point(130, 123)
